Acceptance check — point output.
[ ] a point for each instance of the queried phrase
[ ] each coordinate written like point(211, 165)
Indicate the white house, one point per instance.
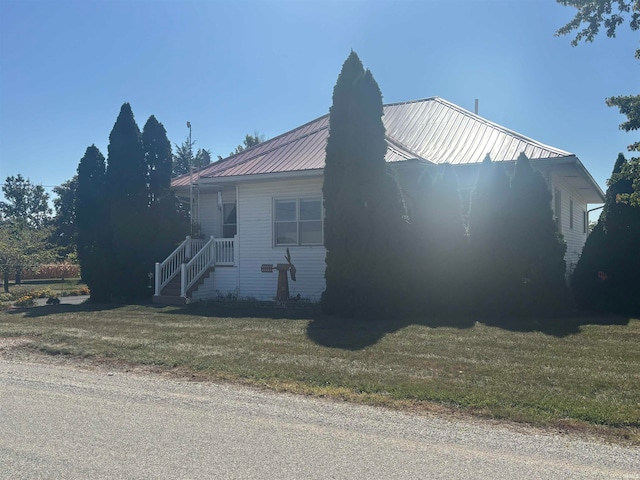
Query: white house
point(253, 205)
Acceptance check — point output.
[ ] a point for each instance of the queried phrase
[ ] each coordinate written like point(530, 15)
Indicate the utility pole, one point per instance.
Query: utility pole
point(190, 180)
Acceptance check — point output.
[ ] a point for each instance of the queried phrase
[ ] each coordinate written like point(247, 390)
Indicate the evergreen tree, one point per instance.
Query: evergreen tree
point(445, 243)
point(418, 252)
point(158, 157)
point(167, 220)
point(490, 246)
point(128, 196)
point(588, 282)
point(621, 222)
point(359, 226)
point(538, 250)
point(93, 229)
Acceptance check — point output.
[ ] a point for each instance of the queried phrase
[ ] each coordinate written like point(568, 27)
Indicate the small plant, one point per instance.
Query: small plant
point(25, 301)
point(53, 300)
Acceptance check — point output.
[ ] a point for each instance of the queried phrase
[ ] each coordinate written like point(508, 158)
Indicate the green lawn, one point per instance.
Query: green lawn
point(578, 373)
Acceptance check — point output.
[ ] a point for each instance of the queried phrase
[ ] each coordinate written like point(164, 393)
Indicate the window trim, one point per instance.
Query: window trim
point(298, 222)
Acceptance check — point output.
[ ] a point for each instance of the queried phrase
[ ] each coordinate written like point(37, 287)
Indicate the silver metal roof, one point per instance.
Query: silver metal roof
point(433, 130)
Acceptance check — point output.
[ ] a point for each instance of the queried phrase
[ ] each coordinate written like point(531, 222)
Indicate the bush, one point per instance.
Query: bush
point(25, 301)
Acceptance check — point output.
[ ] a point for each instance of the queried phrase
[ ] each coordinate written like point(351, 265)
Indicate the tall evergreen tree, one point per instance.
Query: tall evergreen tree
point(158, 157)
point(93, 228)
point(445, 243)
point(489, 242)
point(128, 195)
point(168, 222)
point(358, 225)
point(606, 276)
point(538, 250)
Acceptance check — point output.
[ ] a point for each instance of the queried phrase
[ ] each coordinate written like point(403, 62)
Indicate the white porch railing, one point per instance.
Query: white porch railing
point(168, 269)
point(191, 258)
point(225, 251)
point(193, 270)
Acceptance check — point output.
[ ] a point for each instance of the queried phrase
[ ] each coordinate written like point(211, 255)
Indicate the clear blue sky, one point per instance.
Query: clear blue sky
point(231, 68)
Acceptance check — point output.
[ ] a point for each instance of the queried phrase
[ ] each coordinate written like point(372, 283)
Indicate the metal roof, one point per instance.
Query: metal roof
point(433, 130)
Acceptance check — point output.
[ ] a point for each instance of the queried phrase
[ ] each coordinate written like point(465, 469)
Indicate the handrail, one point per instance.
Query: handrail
point(201, 261)
point(168, 269)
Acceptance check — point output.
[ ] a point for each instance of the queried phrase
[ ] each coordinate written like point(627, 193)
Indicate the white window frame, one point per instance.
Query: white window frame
point(298, 222)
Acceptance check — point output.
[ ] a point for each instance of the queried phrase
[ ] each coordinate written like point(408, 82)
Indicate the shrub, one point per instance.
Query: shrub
point(25, 301)
point(53, 301)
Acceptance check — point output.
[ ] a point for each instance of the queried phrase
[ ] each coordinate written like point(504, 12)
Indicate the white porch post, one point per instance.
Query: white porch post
point(187, 247)
point(157, 279)
point(183, 280)
point(235, 249)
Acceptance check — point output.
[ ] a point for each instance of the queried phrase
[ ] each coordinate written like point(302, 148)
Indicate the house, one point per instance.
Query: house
point(255, 204)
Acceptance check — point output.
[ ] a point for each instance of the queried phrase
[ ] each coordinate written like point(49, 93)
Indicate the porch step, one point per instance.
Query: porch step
point(170, 294)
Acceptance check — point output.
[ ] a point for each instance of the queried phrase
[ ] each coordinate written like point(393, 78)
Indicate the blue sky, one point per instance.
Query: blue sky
point(232, 68)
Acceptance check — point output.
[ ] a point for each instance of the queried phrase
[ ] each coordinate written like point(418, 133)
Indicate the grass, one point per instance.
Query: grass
point(578, 373)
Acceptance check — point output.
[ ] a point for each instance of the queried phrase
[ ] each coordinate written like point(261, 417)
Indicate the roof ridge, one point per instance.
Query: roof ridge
point(398, 144)
point(427, 99)
point(502, 128)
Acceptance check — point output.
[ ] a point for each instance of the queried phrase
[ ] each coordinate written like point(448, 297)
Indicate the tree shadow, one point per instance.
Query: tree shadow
point(357, 334)
point(559, 326)
point(63, 308)
point(245, 309)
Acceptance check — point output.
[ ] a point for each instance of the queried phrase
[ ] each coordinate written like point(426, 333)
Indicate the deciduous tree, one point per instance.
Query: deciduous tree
point(25, 201)
point(64, 221)
point(591, 15)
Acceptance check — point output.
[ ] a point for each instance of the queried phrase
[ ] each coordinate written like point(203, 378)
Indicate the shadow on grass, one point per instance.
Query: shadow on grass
point(63, 308)
point(356, 334)
point(557, 326)
point(325, 330)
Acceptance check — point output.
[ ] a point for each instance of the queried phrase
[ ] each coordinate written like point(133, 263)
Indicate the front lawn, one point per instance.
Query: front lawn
point(577, 373)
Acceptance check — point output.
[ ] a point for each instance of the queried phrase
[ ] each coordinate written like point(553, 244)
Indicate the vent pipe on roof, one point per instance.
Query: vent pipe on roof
point(475, 109)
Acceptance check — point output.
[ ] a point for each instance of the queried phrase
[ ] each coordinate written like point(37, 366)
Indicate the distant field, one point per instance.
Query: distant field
point(579, 374)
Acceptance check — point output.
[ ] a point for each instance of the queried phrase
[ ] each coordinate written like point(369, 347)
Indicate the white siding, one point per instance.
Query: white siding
point(575, 237)
point(255, 236)
point(221, 281)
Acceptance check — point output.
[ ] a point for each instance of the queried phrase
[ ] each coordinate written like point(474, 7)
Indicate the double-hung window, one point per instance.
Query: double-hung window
point(298, 221)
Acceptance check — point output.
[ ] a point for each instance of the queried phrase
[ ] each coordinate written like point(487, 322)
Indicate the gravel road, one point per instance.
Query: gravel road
point(74, 423)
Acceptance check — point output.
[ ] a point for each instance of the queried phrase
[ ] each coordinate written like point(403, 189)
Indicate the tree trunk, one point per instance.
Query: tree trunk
point(6, 282)
point(18, 275)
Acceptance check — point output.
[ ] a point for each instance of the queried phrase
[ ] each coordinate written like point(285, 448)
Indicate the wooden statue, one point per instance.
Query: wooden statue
point(282, 293)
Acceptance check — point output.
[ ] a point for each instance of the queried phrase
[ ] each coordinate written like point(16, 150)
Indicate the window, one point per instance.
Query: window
point(229, 220)
point(571, 213)
point(557, 204)
point(298, 222)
